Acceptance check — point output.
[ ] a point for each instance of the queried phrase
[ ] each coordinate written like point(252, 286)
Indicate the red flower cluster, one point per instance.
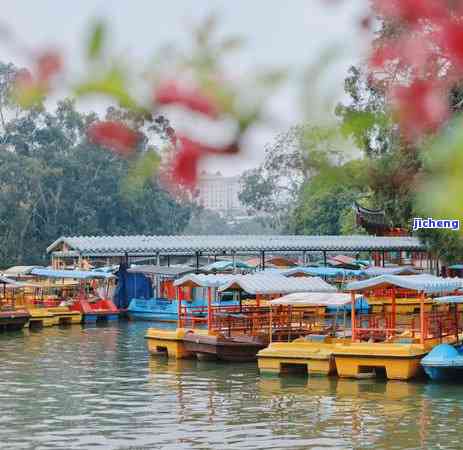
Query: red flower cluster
point(173, 92)
point(185, 165)
point(115, 136)
point(31, 88)
point(429, 52)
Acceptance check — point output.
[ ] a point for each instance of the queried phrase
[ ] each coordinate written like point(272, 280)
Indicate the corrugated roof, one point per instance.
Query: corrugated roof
point(151, 245)
point(15, 284)
point(421, 283)
point(276, 284)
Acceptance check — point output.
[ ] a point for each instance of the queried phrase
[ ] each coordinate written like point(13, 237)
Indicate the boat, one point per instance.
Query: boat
point(162, 294)
point(235, 332)
point(444, 363)
point(239, 348)
point(387, 344)
point(84, 297)
point(11, 318)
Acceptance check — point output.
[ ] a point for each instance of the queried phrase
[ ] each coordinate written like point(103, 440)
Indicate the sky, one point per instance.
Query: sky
point(291, 34)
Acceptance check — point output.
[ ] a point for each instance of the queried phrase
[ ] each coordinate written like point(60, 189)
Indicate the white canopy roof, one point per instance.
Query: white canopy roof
point(266, 283)
point(313, 299)
point(201, 280)
point(420, 283)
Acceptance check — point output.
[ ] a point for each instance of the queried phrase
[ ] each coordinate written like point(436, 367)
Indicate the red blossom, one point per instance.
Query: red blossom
point(421, 107)
point(48, 64)
point(412, 11)
point(172, 92)
point(115, 136)
point(185, 165)
point(451, 40)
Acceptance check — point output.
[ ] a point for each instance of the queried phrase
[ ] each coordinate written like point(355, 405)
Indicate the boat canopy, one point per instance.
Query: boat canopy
point(276, 284)
point(429, 284)
point(450, 299)
point(399, 270)
point(75, 274)
point(17, 271)
point(16, 284)
point(201, 280)
point(313, 299)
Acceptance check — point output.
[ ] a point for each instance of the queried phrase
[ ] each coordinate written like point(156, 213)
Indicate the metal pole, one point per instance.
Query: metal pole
point(263, 261)
point(384, 257)
point(324, 258)
point(168, 260)
point(352, 317)
point(197, 262)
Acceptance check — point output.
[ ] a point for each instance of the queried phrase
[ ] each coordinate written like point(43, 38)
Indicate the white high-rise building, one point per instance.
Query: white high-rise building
point(219, 193)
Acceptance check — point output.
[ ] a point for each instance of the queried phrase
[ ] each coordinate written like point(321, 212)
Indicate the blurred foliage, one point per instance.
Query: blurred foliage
point(302, 163)
point(53, 182)
point(207, 222)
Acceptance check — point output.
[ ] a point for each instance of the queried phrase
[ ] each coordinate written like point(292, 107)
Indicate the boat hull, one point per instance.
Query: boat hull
point(444, 373)
point(157, 310)
point(234, 349)
point(13, 320)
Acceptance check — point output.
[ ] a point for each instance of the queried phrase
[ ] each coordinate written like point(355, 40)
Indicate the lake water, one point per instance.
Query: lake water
point(98, 388)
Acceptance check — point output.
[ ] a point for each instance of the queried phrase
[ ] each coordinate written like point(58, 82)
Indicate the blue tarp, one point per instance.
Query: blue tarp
point(74, 274)
point(323, 271)
point(131, 285)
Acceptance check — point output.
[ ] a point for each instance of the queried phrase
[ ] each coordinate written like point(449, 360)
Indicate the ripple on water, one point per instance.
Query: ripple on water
point(97, 388)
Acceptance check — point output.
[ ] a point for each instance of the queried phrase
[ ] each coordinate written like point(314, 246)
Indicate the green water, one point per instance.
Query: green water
point(97, 388)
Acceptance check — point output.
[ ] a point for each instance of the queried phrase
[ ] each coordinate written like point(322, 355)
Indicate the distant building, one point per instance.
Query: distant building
point(219, 193)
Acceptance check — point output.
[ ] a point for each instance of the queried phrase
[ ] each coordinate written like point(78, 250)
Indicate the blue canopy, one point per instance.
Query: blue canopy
point(74, 274)
point(323, 271)
point(450, 299)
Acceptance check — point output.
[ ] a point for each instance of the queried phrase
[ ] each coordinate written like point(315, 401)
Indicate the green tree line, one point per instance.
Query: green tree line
point(54, 182)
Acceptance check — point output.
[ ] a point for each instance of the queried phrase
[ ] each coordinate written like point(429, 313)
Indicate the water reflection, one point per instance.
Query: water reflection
point(97, 387)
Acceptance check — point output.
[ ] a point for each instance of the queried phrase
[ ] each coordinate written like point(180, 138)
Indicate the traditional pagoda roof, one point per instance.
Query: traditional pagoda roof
point(373, 220)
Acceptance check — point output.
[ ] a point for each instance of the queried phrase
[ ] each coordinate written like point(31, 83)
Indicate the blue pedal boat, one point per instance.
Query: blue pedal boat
point(444, 363)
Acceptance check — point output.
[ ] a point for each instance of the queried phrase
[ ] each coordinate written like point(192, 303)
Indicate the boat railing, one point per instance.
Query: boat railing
point(388, 326)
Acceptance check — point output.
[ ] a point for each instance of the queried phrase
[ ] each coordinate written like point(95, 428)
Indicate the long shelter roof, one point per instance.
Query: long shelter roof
point(152, 245)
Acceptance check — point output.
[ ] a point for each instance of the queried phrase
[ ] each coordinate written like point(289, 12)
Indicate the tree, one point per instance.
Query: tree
point(54, 182)
point(290, 161)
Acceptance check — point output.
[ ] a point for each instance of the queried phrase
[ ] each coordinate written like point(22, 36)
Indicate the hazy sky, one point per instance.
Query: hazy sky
point(289, 33)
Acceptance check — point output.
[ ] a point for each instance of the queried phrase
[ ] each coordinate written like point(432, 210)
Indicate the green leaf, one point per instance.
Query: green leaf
point(112, 84)
point(140, 172)
point(95, 43)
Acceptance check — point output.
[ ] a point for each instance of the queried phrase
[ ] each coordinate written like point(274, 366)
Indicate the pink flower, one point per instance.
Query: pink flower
point(115, 136)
